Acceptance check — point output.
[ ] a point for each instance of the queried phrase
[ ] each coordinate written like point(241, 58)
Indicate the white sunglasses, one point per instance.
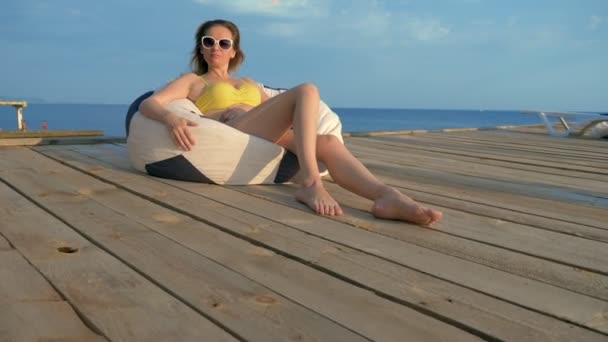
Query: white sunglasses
point(209, 42)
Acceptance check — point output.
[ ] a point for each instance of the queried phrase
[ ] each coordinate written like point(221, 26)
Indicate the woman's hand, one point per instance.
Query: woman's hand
point(178, 127)
point(233, 113)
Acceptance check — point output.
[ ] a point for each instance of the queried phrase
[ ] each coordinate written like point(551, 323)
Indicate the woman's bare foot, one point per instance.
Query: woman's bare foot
point(393, 204)
point(318, 199)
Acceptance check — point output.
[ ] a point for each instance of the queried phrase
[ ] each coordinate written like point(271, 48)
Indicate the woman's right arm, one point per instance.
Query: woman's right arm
point(154, 108)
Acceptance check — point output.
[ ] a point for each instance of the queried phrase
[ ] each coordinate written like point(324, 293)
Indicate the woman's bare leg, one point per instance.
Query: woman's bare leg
point(273, 119)
point(348, 172)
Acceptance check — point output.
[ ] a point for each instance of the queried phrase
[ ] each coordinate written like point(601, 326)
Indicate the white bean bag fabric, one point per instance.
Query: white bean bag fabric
point(222, 154)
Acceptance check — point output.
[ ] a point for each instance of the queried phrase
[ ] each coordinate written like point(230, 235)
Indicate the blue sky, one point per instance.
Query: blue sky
point(469, 54)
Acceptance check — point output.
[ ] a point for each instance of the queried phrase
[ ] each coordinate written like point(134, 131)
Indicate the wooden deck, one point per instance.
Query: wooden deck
point(90, 250)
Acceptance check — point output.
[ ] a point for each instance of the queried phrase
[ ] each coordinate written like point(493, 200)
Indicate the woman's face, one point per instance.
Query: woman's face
point(217, 56)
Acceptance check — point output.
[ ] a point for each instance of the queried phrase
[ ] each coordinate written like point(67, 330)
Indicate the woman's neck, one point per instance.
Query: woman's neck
point(217, 74)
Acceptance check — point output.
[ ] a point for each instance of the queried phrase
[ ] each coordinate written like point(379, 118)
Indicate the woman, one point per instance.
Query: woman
point(288, 119)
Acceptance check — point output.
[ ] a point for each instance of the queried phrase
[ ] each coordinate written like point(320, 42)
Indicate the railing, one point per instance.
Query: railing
point(19, 105)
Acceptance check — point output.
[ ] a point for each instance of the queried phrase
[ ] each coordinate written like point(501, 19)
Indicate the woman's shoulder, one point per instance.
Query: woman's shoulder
point(188, 79)
point(189, 76)
point(249, 80)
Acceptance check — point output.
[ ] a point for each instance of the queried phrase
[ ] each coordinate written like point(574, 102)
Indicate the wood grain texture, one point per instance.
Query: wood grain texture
point(557, 203)
point(12, 142)
point(4, 244)
point(324, 228)
point(112, 298)
point(28, 300)
point(330, 297)
point(107, 216)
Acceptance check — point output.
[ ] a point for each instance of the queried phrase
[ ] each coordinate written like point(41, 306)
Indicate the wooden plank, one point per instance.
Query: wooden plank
point(503, 194)
point(404, 142)
point(474, 250)
point(4, 244)
point(582, 253)
point(503, 142)
point(513, 139)
point(341, 302)
point(516, 209)
point(221, 293)
point(43, 321)
point(531, 241)
point(556, 154)
point(58, 141)
point(572, 144)
point(349, 261)
point(500, 128)
point(470, 274)
point(498, 173)
point(21, 282)
point(50, 134)
point(27, 300)
point(522, 162)
point(112, 298)
point(575, 219)
point(407, 154)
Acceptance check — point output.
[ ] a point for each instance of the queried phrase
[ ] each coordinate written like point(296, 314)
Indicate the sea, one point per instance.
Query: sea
point(110, 118)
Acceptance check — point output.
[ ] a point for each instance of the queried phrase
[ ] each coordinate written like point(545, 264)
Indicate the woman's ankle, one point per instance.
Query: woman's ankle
point(382, 191)
point(308, 182)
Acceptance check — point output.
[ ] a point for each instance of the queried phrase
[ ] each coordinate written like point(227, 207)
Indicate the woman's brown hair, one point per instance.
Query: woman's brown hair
point(198, 63)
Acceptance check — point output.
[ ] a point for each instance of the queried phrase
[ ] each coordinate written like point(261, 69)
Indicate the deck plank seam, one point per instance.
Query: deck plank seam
point(301, 209)
point(85, 320)
point(498, 143)
point(123, 147)
point(562, 165)
point(503, 219)
point(385, 167)
point(575, 155)
point(514, 166)
point(450, 254)
point(211, 224)
point(91, 240)
point(311, 264)
point(367, 156)
point(367, 161)
point(10, 244)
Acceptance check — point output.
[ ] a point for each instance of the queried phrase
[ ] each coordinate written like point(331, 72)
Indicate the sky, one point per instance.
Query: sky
point(440, 54)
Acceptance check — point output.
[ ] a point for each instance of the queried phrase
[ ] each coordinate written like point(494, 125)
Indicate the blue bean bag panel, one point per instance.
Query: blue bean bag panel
point(221, 155)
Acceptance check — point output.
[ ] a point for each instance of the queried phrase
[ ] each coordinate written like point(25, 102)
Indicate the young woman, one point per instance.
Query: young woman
point(288, 119)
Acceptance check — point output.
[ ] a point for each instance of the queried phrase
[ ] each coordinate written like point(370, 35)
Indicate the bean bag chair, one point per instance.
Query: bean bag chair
point(221, 155)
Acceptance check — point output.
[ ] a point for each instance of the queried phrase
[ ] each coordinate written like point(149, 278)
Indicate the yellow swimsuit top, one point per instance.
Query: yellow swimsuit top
point(221, 95)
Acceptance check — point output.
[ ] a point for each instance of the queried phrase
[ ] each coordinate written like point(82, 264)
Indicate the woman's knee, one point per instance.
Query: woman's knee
point(308, 90)
point(327, 144)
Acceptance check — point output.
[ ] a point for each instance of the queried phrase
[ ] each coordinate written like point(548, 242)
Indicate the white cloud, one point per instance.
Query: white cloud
point(594, 22)
point(368, 20)
point(343, 22)
point(273, 8)
point(426, 29)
